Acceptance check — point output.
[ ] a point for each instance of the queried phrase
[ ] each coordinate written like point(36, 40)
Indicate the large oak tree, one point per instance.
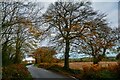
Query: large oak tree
point(70, 20)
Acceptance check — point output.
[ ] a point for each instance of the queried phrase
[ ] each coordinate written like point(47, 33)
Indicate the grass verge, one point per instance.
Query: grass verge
point(58, 69)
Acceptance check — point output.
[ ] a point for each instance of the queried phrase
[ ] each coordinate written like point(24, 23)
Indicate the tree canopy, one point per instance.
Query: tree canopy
point(73, 21)
point(44, 54)
point(70, 26)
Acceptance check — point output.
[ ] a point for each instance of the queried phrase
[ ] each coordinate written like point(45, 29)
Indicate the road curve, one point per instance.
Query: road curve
point(43, 74)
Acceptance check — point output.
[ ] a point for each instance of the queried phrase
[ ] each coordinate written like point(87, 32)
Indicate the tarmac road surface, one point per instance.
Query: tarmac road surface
point(43, 74)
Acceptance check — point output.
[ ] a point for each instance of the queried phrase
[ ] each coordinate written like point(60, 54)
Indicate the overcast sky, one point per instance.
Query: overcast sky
point(109, 7)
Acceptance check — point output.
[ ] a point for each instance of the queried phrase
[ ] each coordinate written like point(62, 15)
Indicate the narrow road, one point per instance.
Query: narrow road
point(43, 74)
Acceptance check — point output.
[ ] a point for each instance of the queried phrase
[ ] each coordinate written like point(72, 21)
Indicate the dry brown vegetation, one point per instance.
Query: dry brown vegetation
point(86, 70)
point(79, 65)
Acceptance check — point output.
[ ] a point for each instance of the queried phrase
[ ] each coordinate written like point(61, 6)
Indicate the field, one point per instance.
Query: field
point(78, 65)
point(86, 70)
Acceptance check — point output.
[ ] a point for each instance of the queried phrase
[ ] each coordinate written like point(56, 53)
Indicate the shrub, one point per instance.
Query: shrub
point(106, 74)
point(44, 65)
point(97, 72)
point(118, 70)
point(16, 71)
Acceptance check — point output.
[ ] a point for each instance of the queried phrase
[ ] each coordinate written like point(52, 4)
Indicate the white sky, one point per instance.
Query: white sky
point(109, 7)
point(67, 0)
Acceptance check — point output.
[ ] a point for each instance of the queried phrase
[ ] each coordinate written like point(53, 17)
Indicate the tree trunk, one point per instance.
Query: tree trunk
point(17, 57)
point(67, 48)
point(95, 60)
point(36, 61)
point(5, 56)
point(104, 51)
point(17, 54)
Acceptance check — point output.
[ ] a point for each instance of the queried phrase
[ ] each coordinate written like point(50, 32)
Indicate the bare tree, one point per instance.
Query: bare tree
point(70, 20)
point(98, 40)
point(18, 26)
